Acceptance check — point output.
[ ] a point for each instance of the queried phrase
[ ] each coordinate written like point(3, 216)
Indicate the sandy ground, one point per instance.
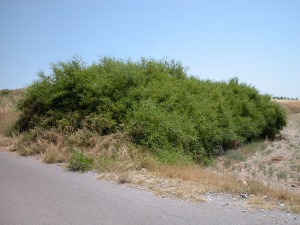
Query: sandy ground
point(276, 163)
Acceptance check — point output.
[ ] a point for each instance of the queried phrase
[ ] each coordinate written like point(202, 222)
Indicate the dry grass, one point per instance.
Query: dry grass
point(193, 182)
point(109, 153)
point(55, 154)
point(8, 115)
point(292, 106)
point(212, 180)
point(207, 180)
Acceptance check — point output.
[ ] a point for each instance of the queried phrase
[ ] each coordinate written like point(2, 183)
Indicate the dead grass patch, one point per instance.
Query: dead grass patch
point(124, 178)
point(55, 154)
point(292, 106)
point(190, 182)
point(205, 177)
point(7, 118)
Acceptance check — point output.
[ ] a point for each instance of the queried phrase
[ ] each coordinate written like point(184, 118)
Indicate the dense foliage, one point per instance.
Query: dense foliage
point(155, 102)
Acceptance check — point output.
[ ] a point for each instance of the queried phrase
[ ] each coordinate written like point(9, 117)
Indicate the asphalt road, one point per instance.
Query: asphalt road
point(35, 193)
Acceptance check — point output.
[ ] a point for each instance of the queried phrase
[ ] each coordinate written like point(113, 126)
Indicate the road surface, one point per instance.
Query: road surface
point(33, 193)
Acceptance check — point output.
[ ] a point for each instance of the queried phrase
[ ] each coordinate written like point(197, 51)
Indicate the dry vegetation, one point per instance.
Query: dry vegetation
point(292, 106)
point(117, 159)
point(8, 115)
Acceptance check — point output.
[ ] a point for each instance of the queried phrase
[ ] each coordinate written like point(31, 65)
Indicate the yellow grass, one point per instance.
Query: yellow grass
point(207, 179)
point(8, 115)
point(292, 106)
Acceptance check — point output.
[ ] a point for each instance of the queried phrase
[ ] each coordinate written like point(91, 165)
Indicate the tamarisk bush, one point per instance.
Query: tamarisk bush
point(155, 102)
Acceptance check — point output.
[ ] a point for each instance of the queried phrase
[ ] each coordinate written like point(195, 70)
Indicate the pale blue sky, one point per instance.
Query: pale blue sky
point(257, 41)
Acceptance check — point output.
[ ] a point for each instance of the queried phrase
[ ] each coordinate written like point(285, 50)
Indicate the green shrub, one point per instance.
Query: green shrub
point(173, 157)
point(79, 161)
point(154, 102)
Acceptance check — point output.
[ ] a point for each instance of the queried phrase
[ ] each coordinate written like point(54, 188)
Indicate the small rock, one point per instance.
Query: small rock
point(244, 182)
point(244, 195)
point(163, 196)
point(265, 197)
point(243, 210)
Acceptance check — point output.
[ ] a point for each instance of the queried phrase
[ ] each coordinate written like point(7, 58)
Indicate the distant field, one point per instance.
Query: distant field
point(292, 106)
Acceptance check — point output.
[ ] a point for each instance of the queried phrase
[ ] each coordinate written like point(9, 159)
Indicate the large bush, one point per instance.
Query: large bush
point(155, 102)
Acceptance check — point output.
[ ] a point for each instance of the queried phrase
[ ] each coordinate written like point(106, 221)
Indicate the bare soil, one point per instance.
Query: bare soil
point(276, 163)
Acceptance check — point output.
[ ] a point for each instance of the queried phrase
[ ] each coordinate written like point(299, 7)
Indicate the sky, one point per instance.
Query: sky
point(257, 41)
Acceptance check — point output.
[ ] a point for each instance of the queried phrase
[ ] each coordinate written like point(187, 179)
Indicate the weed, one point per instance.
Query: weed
point(106, 162)
point(262, 166)
point(268, 152)
point(235, 155)
point(124, 178)
point(292, 145)
point(55, 154)
point(173, 157)
point(227, 163)
point(82, 138)
point(270, 171)
point(282, 175)
point(262, 146)
point(79, 161)
point(247, 166)
point(250, 148)
point(295, 167)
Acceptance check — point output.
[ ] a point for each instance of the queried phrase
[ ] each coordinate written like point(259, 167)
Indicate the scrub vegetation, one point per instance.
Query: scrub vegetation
point(146, 120)
point(154, 103)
